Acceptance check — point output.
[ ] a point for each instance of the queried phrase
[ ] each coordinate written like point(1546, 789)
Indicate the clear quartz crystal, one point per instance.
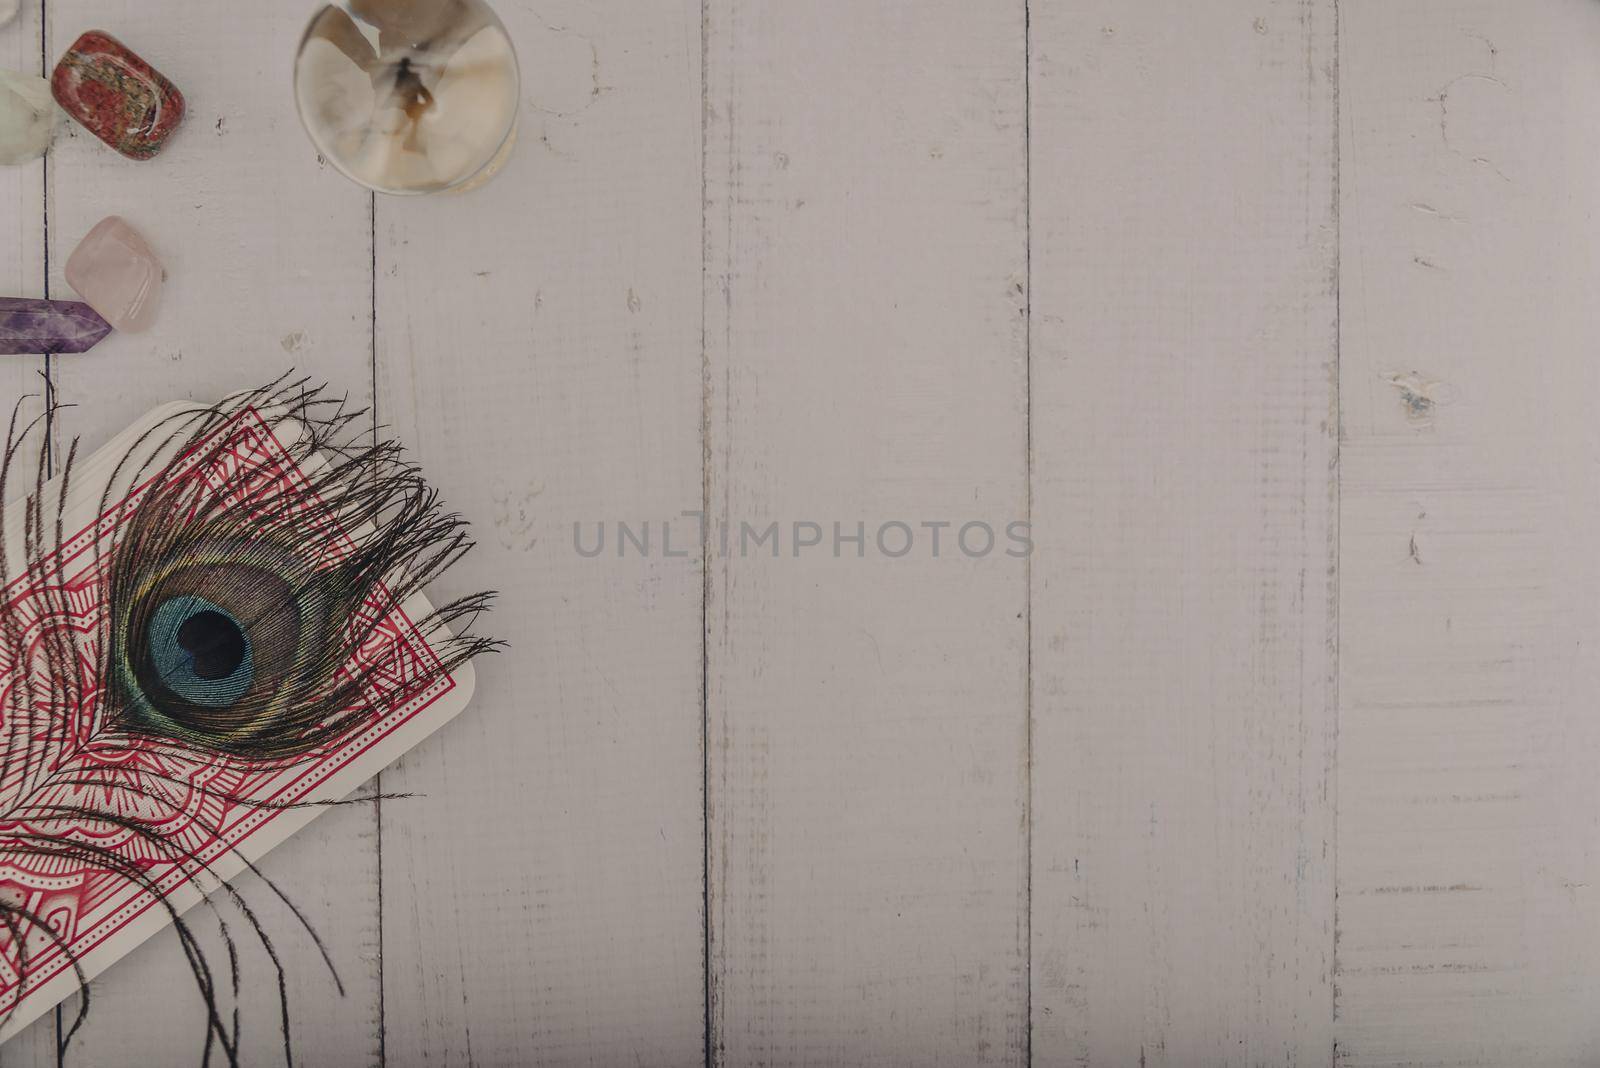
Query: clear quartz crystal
point(27, 116)
point(408, 96)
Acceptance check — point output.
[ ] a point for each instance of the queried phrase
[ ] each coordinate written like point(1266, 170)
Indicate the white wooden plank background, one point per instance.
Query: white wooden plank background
point(1275, 319)
point(1469, 881)
point(539, 345)
point(867, 714)
point(1184, 355)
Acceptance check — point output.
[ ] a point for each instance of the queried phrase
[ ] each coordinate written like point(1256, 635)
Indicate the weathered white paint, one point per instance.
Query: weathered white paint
point(1469, 805)
point(865, 328)
point(1183, 434)
point(777, 259)
point(539, 347)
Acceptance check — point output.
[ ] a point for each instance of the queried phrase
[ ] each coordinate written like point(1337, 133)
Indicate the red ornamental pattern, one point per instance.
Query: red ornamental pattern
point(109, 791)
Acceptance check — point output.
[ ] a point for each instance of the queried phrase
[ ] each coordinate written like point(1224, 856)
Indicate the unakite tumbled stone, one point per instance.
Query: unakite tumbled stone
point(116, 95)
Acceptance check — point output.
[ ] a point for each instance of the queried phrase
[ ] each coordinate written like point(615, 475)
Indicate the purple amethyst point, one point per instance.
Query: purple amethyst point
point(30, 326)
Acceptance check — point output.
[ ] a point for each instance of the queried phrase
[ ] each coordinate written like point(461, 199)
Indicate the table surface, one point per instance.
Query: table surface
point(1273, 320)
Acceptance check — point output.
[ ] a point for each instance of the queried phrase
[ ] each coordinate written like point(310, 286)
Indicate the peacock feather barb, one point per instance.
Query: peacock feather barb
point(209, 631)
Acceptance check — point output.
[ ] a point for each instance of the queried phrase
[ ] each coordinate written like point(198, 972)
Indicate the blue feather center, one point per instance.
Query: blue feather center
point(200, 651)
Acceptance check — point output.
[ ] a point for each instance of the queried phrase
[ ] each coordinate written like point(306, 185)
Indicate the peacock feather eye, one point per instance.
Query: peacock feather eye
point(199, 651)
point(219, 645)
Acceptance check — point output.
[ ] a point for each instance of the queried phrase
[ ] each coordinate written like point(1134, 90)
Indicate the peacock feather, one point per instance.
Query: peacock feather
point(228, 622)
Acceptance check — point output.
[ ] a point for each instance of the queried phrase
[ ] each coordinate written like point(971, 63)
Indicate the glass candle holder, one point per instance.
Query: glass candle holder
point(409, 96)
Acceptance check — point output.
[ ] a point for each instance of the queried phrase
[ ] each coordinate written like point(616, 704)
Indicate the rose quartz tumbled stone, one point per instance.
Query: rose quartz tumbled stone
point(116, 274)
